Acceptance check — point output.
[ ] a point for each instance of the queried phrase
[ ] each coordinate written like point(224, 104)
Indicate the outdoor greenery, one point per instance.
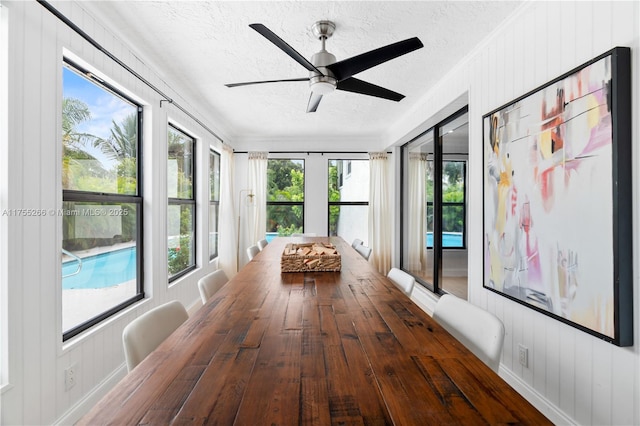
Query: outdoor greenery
point(452, 192)
point(180, 149)
point(334, 195)
point(86, 225)
point(285, 196)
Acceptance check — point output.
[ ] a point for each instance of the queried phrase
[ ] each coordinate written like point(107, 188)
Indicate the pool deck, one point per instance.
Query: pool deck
point(80, 305)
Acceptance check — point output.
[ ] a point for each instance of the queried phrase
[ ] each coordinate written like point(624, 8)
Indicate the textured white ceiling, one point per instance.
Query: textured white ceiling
point(204, 44)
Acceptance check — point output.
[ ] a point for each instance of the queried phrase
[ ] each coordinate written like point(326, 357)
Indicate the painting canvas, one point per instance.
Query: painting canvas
point(557, 199)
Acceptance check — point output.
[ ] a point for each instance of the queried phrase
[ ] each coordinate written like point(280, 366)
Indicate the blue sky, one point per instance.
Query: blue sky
point(104, 107)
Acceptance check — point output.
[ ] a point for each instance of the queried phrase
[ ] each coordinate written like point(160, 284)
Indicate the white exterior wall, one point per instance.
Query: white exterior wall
point(573, 377)
point(355, 187)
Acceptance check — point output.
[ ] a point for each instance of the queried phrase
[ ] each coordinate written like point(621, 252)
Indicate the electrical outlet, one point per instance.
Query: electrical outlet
point(523, 355)
point(70, 376)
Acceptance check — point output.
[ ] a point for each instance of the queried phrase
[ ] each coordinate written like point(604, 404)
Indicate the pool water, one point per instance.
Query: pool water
point(449, 239)
point(102, 270)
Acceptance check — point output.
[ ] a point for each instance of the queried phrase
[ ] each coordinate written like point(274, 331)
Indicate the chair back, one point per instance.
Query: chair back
point(480, 331)
point(364, 251)
point(305, 234)
point(211, 283)
point(252, 251)
point(402, 280)
point(145, 333)
point(356, 242)
point(262, 244)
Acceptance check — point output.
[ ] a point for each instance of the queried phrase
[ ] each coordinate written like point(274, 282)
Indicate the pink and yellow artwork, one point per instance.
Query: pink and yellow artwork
point(548, 199)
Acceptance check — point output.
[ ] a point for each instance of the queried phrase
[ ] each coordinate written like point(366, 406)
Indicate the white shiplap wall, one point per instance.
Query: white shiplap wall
point(34, 391)
point(572, 376)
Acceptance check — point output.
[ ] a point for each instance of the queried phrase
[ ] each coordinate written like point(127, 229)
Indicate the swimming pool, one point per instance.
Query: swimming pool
point(101, 270)
point(449, 239)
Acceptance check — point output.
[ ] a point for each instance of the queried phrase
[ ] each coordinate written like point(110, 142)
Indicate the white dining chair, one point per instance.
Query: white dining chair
point(252, 251)
point(305, 234)
point(480, 331)
point(402, 280)
point(364, 251)
point(144, 334)
point(262, 244)
point(356, 242)
point(211, 283)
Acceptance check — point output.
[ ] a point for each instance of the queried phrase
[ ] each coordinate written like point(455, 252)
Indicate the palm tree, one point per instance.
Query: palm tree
point(123, 140)
point(74, 113)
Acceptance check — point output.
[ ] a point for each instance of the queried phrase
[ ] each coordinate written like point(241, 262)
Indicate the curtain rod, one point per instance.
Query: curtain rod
point(312, 152)
point(97, 45)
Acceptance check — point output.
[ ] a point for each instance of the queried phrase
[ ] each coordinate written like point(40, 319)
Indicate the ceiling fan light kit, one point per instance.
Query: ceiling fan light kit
point(327, 75)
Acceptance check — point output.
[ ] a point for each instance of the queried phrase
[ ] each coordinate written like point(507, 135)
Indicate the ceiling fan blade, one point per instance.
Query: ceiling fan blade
point(358, 86)
point(266, 81)
point(314, 101)
point(349, 67)
point(273, 38)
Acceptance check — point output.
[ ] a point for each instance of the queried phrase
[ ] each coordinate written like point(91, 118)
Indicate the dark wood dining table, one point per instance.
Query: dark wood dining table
point(304, 348)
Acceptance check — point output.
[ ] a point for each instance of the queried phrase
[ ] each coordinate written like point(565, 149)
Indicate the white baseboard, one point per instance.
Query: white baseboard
point(82, 407)
point(553, 413)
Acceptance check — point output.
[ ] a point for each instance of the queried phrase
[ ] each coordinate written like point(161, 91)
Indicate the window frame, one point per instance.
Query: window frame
point(216, 203)
point(72, 195)
point(175, 201)
point(344, 172)
point(462, 204)
point(289, 203)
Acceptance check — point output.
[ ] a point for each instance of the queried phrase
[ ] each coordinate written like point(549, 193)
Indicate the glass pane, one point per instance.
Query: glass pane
point(284, 220)
point(103, 237)
point(180, 164)
point(285, 180)
point(349, 180)
point(452, 225)
point(455, 149)
point(214, 176)
point(213, 230)
point(180, 238)
point(418, 208)
point(99, 138)
point(349, 222)
point(453, 191)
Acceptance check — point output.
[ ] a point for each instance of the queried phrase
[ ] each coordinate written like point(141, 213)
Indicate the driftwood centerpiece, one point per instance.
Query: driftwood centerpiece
point(310, 257)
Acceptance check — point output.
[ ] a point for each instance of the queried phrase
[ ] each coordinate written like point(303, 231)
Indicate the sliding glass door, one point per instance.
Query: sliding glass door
point(434, 206)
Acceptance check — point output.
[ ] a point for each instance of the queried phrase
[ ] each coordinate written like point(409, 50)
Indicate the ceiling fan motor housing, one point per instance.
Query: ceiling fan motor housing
point(322, 84)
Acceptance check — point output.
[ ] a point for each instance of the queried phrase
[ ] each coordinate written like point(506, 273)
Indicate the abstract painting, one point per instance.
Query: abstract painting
point(557, 198)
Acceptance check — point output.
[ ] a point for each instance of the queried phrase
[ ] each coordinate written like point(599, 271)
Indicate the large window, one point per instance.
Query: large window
point(182, 203)
point(102, 203)
point(349, 199)
point(214, 202)
point(285, 197)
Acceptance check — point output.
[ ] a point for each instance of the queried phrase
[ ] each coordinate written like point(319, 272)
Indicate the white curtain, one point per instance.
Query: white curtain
point(417, 210)
point(257, 224)
point(227, 258)
point(379, 212)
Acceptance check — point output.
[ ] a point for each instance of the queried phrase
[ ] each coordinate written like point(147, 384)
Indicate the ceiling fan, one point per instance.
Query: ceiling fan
point(326, 75)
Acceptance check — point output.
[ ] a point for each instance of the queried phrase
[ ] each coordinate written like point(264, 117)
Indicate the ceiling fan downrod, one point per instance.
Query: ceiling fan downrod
point(322, 84)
